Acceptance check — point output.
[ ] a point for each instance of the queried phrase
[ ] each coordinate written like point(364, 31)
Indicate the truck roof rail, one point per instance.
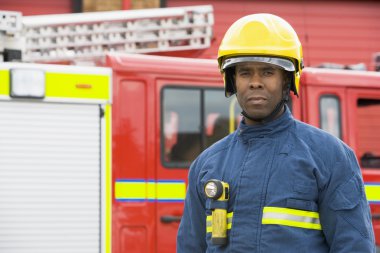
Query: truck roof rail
point(65, 37)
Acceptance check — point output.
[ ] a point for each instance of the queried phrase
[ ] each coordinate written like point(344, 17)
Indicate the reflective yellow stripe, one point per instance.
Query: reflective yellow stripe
point(68, 85)
point(372, 191)
point(151, 195)
point(108, 176)
point(292, 223)
point(4, 82)
point(168, 190)
point(132, 190)
point(209, 222)
point(87, 86)
point(291, 217)
point(140, 190)
point(229, 220)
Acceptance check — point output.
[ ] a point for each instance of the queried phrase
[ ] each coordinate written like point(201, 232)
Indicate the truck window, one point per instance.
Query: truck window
point(216, 116)
point(368, 122)
point(330, 115)
point(193, 119)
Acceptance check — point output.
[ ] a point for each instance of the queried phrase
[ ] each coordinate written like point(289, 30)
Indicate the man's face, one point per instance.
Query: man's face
point(259, 88)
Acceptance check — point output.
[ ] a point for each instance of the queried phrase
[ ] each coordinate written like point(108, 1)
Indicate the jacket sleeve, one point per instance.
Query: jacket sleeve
point(191, 235)
point(344, 211)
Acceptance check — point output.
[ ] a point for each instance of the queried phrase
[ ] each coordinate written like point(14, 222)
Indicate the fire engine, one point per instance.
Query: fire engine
point(177, 109)
point(165, 111)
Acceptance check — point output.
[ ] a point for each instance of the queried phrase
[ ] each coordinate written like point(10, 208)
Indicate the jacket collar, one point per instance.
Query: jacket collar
point(269, 129)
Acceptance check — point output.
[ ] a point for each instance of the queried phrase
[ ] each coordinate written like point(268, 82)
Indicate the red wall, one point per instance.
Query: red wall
point(344, 32)
point(37, 7)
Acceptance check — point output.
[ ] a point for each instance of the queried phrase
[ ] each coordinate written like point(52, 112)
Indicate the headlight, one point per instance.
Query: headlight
point(27, 83)
point(213, 189)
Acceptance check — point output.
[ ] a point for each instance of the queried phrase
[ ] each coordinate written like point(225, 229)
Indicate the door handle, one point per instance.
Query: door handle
point(170, 218)
point(376, 216)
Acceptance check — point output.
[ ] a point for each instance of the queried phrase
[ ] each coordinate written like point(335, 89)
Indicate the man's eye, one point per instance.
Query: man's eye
point(267, 73)
point(243, 73)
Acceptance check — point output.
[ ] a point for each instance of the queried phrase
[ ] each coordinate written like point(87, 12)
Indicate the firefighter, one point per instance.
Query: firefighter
point(275, 184)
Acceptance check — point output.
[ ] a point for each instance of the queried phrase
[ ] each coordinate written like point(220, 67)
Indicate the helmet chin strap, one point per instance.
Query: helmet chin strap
point(273, 114)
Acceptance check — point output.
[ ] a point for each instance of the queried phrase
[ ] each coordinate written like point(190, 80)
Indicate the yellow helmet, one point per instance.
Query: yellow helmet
point(262, 38)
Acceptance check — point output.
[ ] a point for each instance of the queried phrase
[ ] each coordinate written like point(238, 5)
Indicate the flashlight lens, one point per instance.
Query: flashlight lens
point(211, 189)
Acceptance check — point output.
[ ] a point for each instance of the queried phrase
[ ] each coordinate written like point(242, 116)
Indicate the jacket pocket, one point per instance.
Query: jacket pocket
point(349, 203)
point(301, 204)
point(347, 196)
point(301, 187)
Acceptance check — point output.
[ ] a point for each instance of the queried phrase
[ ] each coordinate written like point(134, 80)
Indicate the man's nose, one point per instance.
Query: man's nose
point(255, 82)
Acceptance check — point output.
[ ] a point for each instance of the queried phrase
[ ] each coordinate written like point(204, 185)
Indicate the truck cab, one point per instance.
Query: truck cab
point(346, 104)
point(166, 110)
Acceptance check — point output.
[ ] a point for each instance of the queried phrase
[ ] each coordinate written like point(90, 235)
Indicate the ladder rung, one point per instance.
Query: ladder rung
point(74, 36)
point(69, 55)
point(31, 33)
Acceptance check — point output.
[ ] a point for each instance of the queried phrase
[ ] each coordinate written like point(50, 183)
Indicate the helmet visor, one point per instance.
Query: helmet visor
point(280, 62)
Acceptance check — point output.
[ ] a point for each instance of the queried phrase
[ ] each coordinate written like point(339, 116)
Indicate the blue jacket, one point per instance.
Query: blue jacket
point(293, 188)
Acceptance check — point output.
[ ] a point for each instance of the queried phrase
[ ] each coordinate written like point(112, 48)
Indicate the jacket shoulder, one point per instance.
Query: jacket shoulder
point(218, 147)
point(314, 135)
point(320, 142)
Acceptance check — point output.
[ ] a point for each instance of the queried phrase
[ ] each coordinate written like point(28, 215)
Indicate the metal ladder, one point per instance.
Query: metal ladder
point(70, 37)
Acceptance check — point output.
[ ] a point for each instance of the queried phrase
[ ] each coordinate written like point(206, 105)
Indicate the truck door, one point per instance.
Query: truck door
point(49, 166)
point(363, 127)
point(192, 117)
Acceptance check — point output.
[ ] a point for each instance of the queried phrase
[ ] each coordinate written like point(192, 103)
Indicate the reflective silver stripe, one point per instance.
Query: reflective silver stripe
point(280, 62)
point(291, 217)
point(283, 216)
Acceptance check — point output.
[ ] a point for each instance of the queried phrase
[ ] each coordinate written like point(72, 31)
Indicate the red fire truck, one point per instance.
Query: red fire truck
point(167, 110)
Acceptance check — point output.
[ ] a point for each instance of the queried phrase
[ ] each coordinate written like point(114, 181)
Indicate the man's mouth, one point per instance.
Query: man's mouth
point(257, 100)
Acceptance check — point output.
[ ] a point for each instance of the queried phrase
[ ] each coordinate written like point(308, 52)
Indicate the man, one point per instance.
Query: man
point(292, 187)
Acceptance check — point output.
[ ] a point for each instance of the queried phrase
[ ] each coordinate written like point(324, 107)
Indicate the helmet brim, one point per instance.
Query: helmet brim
point(285, 64)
